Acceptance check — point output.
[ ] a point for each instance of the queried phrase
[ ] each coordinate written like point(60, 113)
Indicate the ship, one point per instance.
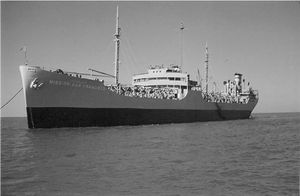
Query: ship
point(164, 94)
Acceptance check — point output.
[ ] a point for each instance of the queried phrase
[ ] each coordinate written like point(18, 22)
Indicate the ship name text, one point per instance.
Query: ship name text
point(76, 84)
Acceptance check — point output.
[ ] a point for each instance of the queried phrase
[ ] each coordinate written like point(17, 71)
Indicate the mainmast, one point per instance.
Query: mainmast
point(117, 48)
point(206, 68)
point(181, 44)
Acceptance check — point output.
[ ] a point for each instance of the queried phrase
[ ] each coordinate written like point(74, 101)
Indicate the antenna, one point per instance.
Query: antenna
point(206, 68)
point(117, 48)
point(181, 44)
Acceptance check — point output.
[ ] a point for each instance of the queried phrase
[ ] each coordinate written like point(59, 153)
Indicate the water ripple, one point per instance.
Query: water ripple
point(259, 156)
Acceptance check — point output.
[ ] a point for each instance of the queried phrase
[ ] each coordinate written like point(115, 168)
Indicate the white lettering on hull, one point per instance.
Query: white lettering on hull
point(76, 85)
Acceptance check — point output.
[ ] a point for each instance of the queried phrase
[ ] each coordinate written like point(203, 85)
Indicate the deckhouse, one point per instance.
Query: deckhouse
point(163, 77)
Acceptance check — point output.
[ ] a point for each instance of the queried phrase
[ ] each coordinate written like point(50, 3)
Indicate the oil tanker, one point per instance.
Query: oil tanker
point(165, 94)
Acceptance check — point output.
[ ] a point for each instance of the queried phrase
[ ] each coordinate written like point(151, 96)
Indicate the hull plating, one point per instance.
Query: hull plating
point(84, 117)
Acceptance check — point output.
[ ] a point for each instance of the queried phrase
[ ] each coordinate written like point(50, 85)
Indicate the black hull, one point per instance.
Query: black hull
point(52, 117)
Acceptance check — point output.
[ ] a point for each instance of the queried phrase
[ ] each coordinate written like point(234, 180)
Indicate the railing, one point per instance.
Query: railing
point(88, 76)
point(218, 97)
point(221, 98)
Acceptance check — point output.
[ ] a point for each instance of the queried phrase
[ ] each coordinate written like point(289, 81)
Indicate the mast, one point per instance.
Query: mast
point(24, 49)
point(206, 68)
point(117, 48)
point(181, 44)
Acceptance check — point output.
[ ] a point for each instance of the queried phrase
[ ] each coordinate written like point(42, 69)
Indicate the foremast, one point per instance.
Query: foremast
point(117, 48)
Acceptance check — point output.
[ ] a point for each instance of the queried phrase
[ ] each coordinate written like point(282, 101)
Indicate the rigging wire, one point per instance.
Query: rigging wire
point(129, 56)
point(106, 51)
point(126, 59)
point(131, 52)
point(127, 43)
point(11, 98)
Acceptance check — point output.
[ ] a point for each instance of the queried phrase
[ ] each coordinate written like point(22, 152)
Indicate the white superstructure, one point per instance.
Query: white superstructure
point(162, 77)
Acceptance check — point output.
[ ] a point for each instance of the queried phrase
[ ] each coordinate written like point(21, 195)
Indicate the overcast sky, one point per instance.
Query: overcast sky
point(258, 39)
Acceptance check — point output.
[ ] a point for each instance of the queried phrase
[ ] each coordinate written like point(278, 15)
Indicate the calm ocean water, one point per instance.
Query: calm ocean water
point(258, 156)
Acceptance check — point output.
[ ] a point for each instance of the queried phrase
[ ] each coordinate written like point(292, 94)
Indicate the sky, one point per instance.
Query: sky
point(258, 39)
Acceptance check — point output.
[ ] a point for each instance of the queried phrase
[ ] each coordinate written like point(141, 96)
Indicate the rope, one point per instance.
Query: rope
point(11, 99)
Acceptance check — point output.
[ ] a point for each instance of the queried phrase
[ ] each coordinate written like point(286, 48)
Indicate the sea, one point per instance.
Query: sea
point(257, 156)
